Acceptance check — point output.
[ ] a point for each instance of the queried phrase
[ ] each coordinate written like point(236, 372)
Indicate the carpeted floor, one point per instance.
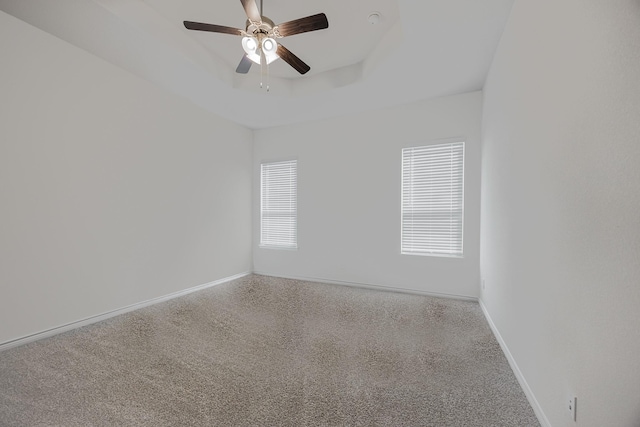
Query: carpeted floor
point(262, 351)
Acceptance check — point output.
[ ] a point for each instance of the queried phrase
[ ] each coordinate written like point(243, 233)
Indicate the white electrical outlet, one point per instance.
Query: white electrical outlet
point(571, 406)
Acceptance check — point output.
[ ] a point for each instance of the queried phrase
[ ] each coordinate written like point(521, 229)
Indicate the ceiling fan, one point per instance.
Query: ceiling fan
point(260, 34)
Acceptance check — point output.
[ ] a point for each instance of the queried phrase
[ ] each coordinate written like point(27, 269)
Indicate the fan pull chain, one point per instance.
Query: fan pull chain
point(262, 58)
point(263, 61)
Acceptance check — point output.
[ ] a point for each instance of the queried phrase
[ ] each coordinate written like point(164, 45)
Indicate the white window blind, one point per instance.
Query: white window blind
point(278, 205)
point(433, 199)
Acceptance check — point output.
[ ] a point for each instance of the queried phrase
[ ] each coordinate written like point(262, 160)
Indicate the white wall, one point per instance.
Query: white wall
point(561, 205)
point(112, 191)
point(349, 172)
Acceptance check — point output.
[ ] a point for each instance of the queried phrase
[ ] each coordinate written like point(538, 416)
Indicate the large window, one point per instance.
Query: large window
point(433, 199)
point(278, 205)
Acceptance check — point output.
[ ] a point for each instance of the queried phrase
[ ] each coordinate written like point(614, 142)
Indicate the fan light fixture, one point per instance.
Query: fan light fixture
point(268, 46)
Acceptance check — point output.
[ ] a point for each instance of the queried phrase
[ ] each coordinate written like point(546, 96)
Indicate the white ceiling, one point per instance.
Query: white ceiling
point(420, 49)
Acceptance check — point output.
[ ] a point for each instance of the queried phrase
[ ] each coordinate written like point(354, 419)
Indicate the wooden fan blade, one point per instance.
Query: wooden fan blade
point(292, 60)
point(251, 9)
point(244, 65)
point(199, 26)
point(303, 25)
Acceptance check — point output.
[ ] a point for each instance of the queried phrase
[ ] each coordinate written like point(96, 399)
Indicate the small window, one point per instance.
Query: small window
point(433, 199)
point(278, 205)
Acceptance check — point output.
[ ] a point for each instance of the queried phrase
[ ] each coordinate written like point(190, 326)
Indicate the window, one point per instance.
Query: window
point(433, 199)
point(278, 205)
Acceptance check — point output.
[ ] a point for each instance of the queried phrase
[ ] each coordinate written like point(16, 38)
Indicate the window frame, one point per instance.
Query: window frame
point(261, 244)
point(434, 253)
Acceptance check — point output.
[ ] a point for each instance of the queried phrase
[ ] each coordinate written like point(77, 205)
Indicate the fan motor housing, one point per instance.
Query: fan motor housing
point(260, 27)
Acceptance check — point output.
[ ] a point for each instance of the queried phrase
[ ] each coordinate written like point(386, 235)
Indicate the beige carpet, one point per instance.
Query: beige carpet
point(262, 351)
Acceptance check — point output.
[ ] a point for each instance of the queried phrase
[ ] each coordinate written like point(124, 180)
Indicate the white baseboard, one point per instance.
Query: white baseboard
point(100, 317)
point(371, 286)
point(542, 418)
